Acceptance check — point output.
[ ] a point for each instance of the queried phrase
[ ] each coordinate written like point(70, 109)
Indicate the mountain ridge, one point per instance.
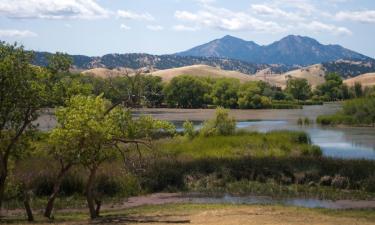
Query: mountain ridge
point(290, 50)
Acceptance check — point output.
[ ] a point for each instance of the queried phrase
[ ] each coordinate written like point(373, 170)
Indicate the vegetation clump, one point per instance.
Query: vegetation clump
point(360, 112)
point(222, 124)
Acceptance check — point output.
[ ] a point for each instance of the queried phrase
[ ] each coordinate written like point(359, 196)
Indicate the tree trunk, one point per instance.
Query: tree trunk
point(56, 189)
point(98, 205)
point(26, 203)
point(3, 177)
point(90, 194)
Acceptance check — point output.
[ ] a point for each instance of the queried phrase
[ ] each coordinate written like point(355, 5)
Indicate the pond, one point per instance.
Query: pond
point(340, 142)
point(343, 142)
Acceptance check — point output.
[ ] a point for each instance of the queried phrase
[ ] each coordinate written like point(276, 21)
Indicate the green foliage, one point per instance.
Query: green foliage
point(59, 63)
point(83, 128)
point(222, 124)
point(186, 92)
point(277, 144)
point(358, 91)
point(300, 89)
point(355, 112)
point(250, 96)
point(23, 92)
point(224, 93)
point(188, 129)
point(333, 89)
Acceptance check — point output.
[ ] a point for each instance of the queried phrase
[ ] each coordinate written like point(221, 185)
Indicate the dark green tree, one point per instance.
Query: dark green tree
point(22, 94)
point(300, 89)
point(224, 93)
point(186, 92)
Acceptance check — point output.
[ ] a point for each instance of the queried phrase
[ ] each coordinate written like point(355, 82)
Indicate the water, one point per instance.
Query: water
point(343, 142)
point(348, 143)
point(300, 202)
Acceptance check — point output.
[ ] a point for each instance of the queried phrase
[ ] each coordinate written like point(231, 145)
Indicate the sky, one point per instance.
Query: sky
point(98, 27)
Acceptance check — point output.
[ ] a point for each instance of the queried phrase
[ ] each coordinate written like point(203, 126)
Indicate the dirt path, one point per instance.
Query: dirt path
point(254, 215)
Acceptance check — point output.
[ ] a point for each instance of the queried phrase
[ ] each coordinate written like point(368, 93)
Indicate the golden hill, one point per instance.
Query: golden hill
point(202, 71)
point(313, 74)
point(366, 80)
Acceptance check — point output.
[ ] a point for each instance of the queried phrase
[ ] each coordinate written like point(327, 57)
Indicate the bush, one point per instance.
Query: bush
point(188, 129)
point(222, 124)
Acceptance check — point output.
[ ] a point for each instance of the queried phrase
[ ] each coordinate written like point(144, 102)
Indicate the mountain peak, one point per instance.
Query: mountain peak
point(290, 50)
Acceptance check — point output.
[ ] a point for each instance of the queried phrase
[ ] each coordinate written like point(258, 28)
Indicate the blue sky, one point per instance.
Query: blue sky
point(97, 27)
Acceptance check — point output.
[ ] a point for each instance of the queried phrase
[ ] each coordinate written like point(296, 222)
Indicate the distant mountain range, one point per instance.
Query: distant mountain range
point(231, 53)
point(290, 50)
point(156, 62)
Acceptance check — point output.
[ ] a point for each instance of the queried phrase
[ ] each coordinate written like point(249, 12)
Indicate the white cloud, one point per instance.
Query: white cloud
point(155, 27)
point(319, 27)
point(225, 19)
point(52, 9)
point(275, 12)
point(124, 27)
point(134, 16)
point(366, 16)
point(181, 27)
point(17, 33)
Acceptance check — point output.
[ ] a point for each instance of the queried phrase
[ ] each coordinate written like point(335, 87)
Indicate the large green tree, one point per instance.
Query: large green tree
point(250, 96)
point(22, 94)
point(89, 133)
point(224, 92)
point(299, 88)
point(333, 88)
point(186, 92)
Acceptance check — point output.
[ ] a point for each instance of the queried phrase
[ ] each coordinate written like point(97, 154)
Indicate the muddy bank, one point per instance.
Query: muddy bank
point(168, 198)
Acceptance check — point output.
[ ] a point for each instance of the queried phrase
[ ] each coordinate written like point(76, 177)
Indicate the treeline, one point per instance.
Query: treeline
point(201, 92)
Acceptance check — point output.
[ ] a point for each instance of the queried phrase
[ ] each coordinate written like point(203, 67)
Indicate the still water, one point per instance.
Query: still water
point(343, 142)
point(340, 142)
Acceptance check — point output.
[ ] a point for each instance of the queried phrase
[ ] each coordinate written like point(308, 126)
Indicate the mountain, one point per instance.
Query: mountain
point(155, 62)
point(290, 50)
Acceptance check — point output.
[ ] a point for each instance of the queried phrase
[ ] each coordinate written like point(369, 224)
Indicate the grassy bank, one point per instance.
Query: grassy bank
point(356, 112)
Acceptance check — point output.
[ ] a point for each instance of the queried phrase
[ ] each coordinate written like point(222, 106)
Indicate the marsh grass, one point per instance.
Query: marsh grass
point(276, 144)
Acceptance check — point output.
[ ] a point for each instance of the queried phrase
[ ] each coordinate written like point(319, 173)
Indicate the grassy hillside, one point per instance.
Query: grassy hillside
point(202, 71)
point(366, 80)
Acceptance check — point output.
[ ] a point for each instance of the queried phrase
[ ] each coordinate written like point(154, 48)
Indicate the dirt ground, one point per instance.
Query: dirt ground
point(233, 215)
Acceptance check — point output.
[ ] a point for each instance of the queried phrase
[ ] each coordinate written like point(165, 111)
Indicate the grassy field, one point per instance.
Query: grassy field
point(218, 214)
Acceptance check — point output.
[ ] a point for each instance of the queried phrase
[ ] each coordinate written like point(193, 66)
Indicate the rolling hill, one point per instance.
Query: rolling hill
point(366, 80)
point(313, 74)
point(202, 71)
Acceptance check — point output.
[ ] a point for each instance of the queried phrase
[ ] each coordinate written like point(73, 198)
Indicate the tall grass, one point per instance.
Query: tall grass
point(241, 144)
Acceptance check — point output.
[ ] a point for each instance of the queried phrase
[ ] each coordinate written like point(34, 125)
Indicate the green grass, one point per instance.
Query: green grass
point(277, 144)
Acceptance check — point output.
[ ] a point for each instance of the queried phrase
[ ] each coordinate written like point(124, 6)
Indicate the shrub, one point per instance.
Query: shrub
point(188, 129)
point(222, 124)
